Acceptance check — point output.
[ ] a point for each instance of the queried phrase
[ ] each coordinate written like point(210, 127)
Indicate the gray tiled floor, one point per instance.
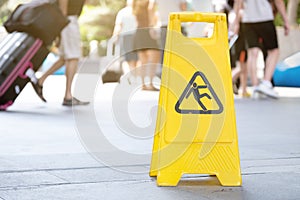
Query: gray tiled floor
point(42, 156)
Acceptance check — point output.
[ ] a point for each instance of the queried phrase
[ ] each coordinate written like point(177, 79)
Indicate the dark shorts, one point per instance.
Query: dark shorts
point(239, 51)
point(128, 48)
point(144, 41)
point(262, 33)
point(240, 48)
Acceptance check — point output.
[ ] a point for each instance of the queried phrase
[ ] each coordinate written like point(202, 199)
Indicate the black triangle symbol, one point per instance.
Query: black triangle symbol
point(187, 91)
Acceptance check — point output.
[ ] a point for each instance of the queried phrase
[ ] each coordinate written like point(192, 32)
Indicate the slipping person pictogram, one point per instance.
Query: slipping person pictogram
point(195, 89)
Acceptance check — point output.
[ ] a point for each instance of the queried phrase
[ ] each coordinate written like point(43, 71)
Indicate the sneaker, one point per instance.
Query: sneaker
point(74, 102)
point(38, 90)
point(267, 90)
point(256, 95)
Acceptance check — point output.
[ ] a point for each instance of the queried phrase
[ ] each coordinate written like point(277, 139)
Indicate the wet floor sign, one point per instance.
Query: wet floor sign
point(196, 129)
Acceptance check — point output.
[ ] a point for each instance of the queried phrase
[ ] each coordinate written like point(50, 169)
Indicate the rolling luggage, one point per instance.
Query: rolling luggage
point(20, 56)
point(32, 27)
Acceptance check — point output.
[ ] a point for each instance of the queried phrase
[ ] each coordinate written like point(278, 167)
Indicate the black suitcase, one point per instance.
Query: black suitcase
point(19, 52)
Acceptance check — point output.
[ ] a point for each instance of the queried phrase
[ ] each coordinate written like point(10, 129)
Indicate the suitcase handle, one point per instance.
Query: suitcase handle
point(22, 73)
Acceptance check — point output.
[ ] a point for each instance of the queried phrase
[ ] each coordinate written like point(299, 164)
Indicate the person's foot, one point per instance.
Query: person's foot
point(144, 87)
point(39, 90)
point(150, 88)
point(74, 102)
point(246, 95)
point(266, 89)
point(235, 88)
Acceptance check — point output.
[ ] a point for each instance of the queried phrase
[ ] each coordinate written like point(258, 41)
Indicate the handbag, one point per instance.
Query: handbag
point(39, 19)
point(111, 64)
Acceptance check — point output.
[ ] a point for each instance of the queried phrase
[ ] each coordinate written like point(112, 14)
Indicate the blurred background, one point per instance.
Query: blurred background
point(98, 17)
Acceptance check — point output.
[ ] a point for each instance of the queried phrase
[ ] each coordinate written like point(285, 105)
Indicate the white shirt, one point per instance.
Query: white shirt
point(165, 7)
point(257, 11)
point(127, 20)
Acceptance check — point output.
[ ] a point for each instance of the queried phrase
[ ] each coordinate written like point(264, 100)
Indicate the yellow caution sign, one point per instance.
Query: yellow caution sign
point(196, 128)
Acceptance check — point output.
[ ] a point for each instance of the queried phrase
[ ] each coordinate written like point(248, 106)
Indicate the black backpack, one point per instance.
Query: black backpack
point(41, 20)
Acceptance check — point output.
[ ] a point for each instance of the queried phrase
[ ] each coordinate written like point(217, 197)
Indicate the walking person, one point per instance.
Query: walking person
point(125, 28)
point(239, 59)
point(257, 24)
point(70, 52)
point(146, 40)
point(240, 70)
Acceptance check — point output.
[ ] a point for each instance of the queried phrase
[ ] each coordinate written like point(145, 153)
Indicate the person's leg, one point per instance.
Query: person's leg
point(251, 64)
point(269, 39)
point(132, 73)
point(71, 69)
point(130, 54)
point(271, 61)
point(154, 61)
point(251, 34)
point(58, 64)
point(234, 53)
point(265, 86)
point(143, 57)
point(269, 42)
point(38, 86)
point(243, 78)
point(240, 71)
point(132, 64)
point(236, 72)
point(70, 46)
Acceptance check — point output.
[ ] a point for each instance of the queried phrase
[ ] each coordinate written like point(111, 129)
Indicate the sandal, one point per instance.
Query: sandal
point(246, 95)
point(38, 90)
point(150, 88)
point(74, 102)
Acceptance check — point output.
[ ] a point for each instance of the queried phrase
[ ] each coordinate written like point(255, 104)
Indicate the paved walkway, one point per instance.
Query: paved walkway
point(43, 156)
